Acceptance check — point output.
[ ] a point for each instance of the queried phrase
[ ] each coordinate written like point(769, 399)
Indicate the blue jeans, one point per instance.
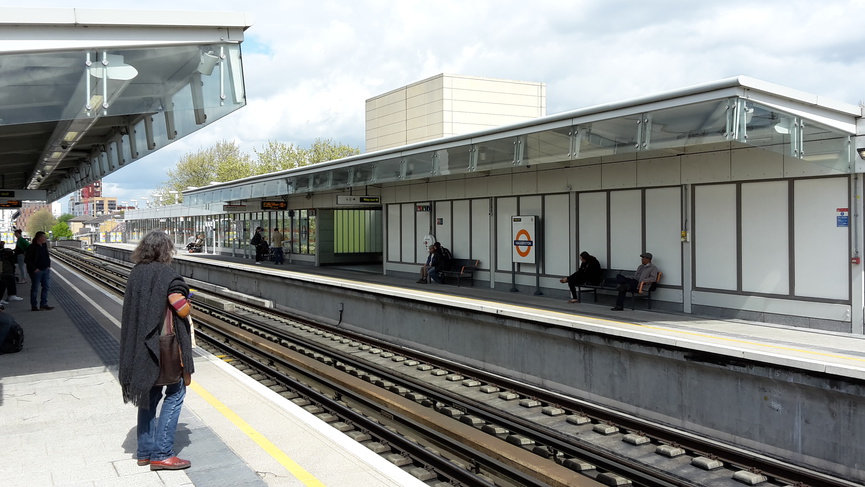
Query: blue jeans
point(277, 255)
point(40, 278)
point(156, 435)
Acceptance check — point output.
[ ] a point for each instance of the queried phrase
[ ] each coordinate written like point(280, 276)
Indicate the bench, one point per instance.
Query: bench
point(609, 283)
point(460, 268)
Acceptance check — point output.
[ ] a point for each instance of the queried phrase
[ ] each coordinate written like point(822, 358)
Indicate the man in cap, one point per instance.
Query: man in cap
point(646, 273)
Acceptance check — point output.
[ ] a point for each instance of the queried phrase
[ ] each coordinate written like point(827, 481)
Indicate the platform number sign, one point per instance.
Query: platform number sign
point(524, 232)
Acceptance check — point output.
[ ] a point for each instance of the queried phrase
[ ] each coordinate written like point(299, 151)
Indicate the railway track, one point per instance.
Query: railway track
point(496, 430)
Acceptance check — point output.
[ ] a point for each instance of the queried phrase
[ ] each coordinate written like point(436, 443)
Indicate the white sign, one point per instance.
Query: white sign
point(342, 199)
point(524, 233)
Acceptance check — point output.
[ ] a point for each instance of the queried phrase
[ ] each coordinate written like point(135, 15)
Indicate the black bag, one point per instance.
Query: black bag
point(14, 340)
point(170, 361)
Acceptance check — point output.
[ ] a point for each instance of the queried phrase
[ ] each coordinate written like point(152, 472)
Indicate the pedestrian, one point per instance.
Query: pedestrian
point(257, 243)
point(589, 273)
point(276, 244)
point(7, 275)
point(646, 273)
point(21, 245)
point(153, 285)
point(39, 268)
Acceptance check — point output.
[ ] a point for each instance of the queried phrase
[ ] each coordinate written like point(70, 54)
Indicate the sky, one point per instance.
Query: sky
point(309, 66)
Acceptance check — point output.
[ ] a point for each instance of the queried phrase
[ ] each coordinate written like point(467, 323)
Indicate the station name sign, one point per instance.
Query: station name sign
point(233, 207)
point(7, 193)
point(274, 205)
point(357, 200)
point(10, 204)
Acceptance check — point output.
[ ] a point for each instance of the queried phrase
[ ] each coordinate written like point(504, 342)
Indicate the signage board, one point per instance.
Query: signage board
point(274, 205)
point(233, 207)
point(10, 204)
point(344, 199)
point(424, 207)
point(524, 234)
point(7, 193)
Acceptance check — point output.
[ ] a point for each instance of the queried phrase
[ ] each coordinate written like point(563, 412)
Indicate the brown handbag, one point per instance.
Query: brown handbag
point(170, 361)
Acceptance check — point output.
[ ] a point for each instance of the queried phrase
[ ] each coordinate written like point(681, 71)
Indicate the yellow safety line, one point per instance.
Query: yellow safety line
point(299, 472)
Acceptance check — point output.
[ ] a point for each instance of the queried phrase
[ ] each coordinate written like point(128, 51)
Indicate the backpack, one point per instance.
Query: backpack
point(256, 239)
point(447, 256)
point(14, 340)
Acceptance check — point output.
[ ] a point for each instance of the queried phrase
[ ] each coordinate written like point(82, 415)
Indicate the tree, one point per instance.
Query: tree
point(40, 221)
point(61, 230)
point(65, 217)
point(222, 162)
point(277, 156)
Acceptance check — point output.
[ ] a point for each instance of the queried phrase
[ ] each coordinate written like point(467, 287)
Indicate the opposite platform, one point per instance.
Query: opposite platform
point(64, 422)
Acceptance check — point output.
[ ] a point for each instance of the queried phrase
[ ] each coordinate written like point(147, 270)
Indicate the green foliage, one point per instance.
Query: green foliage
point(65, 217)
point(40, 221)
point(61, 230)
point(225, 162)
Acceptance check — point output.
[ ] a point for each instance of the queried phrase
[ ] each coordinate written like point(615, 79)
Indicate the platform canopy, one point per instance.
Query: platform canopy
point(737, 112)
point(86, 92)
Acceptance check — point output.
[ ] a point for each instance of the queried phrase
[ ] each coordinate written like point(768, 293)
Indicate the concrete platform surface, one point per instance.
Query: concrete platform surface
point(63, 421)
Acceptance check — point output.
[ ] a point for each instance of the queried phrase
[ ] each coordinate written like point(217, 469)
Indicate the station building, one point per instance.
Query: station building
point(747, 193)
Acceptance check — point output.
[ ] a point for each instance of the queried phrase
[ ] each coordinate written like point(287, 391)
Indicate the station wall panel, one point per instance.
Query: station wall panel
point(706, 167)
point(460, 242)
point(765, 237)
point(664, 171)
point(423, 227)
point(394, 232)
point(525, 182)
point(478, 187)
point(585, 178)
point(500, 185)
point(456, 189)
point(505, 209)
point(822, 267)
point(593, 225)
point(619, 175)
point(558, 251)
point(755, 163)
point(408, 240)
point(626, 229)
point(664, 232)
point(552, 181)
point(443, 232)
point(437, 190)
point(715, 253)
point(481, 233)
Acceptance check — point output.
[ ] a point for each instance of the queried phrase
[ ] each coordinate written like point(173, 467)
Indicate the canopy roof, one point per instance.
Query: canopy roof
point(86, 92)
point(732, 112)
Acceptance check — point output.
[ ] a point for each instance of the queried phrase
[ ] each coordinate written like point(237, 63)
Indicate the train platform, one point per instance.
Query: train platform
point(63, 421)
point(813, 350)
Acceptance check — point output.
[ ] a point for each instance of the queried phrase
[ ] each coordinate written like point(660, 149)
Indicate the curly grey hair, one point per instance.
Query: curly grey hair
point(155, 246)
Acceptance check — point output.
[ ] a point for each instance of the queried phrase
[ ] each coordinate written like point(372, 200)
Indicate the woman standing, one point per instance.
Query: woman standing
point(152, 286)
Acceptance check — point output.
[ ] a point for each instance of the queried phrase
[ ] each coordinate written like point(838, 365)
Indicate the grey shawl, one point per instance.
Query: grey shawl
point(143, 310)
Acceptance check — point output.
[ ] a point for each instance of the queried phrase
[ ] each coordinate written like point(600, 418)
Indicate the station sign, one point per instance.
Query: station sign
point(10, 204)
point(233, 207)
point(344, 199)
point(424, 207)
point(524, 233)
point(274, 205)
point(7, 193)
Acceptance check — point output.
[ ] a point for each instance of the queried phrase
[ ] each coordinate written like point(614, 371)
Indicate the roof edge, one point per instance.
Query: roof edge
point(116, 17)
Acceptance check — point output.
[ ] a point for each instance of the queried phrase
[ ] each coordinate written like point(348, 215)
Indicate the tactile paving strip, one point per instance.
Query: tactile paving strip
point(105, 345)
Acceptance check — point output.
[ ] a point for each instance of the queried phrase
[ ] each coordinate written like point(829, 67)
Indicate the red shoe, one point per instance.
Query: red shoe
point(172, 463)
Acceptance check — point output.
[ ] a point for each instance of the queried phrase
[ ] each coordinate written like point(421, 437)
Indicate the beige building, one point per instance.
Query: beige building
point(447, 105)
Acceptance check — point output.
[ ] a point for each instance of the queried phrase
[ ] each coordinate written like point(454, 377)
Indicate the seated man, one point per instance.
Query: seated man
point(588, 273)
point(646, 273)
point(430, 270)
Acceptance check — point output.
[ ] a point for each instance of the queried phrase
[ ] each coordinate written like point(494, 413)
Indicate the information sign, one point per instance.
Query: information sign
point(274, 205)
point(524, 233)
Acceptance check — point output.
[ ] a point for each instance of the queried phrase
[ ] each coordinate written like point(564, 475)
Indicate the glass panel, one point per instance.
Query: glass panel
point(126, 147)
point(301, 184)
point(419, 165)
point(321, 180)
point(769, 129)
point(609, 137)
point(339, 177)
point(826, 147)
point(363, 174)
point(702, 123)
point(547, 146)
point(455, 160)
point(495, 154)
point(388, 170)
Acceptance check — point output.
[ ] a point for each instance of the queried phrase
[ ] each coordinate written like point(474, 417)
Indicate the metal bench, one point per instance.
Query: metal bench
point(609, 283)
point(460, 268)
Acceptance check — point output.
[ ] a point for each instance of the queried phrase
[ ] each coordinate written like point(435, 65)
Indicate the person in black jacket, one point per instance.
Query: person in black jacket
point(258, 243)
point(39, 267)
point(588, 273)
